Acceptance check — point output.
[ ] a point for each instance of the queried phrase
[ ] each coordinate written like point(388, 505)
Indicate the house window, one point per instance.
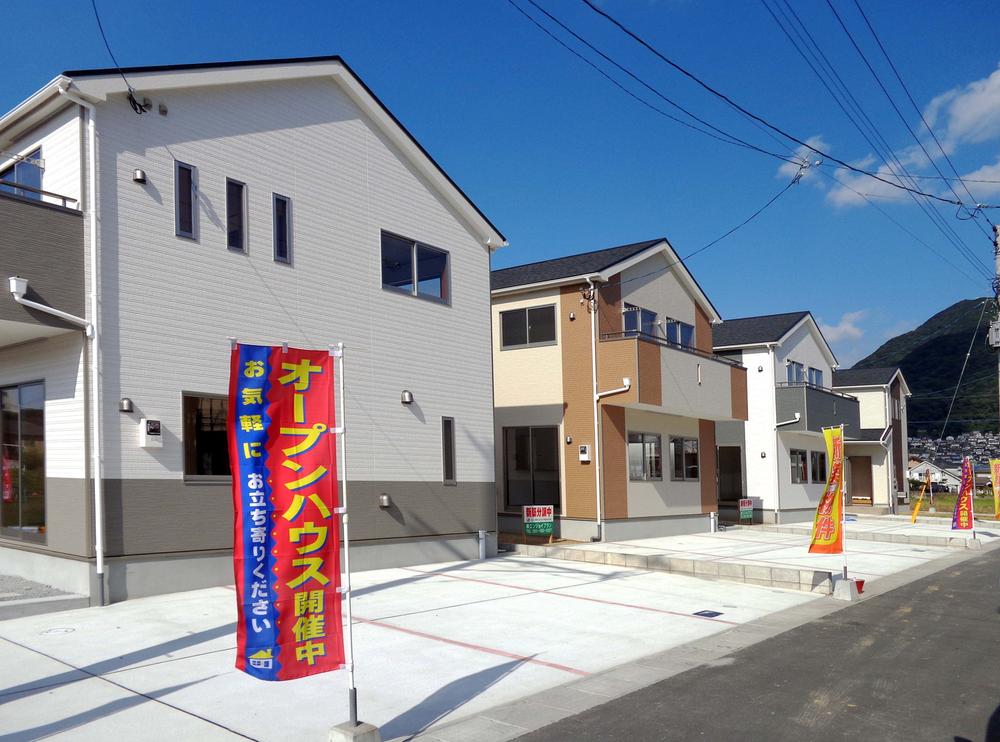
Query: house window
point(236, 230)
point(448, 449)
point(795, 372)
point(185, 182)
point(799, 462)
point(645, 460)
point(817, 460)
point(206, 448)
point(684, 458)
point(282, 208)
point(680, 333)
point(815, 377)
point(520, 328)
point(22, 462)
point(414, 268)
point(531, 466)
point(638, 320)
point(27, 171)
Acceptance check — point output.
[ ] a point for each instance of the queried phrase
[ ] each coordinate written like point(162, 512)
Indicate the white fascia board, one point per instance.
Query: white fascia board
point(902, 381)
point(523, 287)
point(744, 346)
point(100, 87)
point(34, 110)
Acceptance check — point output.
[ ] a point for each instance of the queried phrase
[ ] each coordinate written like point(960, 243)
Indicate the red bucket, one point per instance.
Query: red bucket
point(861, 586)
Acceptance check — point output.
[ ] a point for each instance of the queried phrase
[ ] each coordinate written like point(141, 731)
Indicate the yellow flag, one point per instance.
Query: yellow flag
point(920, 500)
point(827, 533)
point(995, 478)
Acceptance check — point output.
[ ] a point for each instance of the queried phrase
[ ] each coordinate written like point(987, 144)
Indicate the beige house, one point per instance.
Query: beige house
point(877, 457)
point(606, 393)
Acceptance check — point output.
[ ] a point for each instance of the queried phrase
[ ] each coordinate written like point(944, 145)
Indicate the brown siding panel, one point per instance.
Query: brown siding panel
point(614, 463)
point(609, 313)
point(580, 486)
point(650, 383)
point(738, 379)
point(702, 329)
point(706, 451)
point(616, 360)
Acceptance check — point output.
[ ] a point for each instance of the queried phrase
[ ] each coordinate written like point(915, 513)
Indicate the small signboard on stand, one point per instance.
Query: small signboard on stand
point(746, 510)
point(539, 520)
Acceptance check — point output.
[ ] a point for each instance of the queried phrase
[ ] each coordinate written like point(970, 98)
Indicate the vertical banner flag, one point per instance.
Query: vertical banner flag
point(828, 533)
point(286, 548)
point(920, 500)
point(995, 479)
point(962, 519)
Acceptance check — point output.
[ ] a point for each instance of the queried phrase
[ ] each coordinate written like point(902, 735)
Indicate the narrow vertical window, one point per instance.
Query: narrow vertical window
point(448, 449)
point(282, 229)
point(184, 201)
point(236, 218)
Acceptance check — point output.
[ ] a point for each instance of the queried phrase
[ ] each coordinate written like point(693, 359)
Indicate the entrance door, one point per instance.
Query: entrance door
point(860, 491)
point(531, 466)
point(730, 473)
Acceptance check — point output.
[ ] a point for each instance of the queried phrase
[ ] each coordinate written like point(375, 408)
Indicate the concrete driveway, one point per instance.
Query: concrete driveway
point(433, 644)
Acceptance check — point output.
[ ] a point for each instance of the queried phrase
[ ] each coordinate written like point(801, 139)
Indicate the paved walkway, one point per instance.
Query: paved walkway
point(926, 531)
point(434, 644)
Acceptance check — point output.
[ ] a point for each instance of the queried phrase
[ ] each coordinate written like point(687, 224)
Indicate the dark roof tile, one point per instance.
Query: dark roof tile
point(864, 376)
point(566, 267)
point(769, 328)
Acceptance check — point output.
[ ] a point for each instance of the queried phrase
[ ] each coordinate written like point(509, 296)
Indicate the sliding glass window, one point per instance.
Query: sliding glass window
point(531, 466)
point(22, 463)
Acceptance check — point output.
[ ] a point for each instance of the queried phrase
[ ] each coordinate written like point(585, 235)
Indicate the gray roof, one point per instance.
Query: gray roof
point(864, 376)
point(769, 328)
point(571, 265)
point(867, 435)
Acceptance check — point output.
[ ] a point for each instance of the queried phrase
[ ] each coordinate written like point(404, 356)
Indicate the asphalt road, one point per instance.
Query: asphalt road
point(921, 662)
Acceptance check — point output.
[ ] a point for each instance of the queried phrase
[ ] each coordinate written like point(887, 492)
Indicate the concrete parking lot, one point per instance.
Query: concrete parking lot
point(434, 643)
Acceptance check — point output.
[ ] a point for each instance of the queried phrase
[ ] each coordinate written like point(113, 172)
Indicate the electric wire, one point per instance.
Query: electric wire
point(916, 108)
point(138, 107)
point(733, 104)
point(725, 136)
point(964, 364)
point(844, 99)
point(899, 113)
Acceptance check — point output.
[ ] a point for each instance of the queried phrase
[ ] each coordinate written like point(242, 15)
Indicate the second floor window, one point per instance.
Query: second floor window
point(185, 183)
point(414, 268)
point(520, 328)
point(27, 171)
point(639, 320)
point(236, 215)
point(282, 229)
point(815, 376)
point(680, 333)
point(795, 372)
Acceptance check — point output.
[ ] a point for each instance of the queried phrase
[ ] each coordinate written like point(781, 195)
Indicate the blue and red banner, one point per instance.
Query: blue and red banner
point(286, 550)
point(962, 518)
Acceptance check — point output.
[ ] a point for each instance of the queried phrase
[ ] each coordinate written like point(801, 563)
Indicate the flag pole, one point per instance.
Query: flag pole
point(843, 500)
point(352, 692)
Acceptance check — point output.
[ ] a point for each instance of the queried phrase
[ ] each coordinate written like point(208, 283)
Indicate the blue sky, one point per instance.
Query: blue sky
point(564, 162)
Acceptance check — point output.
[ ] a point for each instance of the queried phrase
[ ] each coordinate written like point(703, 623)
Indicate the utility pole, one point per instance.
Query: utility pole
point(995, 324)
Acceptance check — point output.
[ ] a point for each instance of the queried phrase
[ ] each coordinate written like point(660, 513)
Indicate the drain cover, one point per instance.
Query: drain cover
point(708, 614)
point(59, 630)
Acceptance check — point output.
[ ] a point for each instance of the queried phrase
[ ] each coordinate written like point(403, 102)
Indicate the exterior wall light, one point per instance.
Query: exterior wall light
point(125, 405)
point(139, 176)
point(406, 397)
point(384, 501)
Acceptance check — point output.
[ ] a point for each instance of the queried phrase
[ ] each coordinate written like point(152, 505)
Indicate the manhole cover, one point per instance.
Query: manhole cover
point(59, 630)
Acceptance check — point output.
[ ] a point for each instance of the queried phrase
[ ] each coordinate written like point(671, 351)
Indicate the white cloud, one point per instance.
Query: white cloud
point(846, 329)
point(986, 172)
point(969, 114)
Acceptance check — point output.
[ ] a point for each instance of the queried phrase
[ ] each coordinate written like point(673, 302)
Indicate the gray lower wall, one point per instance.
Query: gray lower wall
point(162, 516)
point(69, 526)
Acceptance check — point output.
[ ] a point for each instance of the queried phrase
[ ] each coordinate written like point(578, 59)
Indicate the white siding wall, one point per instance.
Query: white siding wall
point(802, 347)
point(872, 403)
point(59, 138)
point(59, 362)
point(798, 495)
point(170, 303)
point(761, 483)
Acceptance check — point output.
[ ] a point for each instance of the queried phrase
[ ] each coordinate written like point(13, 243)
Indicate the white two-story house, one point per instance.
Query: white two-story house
point(607, 393)
point(789, 370)
point(274, 201)
point(877, 458)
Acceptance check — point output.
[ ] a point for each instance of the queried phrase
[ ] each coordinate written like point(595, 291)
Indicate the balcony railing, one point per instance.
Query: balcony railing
point(809, 385)
point(15, 188)
point(670, 344)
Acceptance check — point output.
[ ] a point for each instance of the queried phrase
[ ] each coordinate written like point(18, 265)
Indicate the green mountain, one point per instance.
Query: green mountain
point(931, 358)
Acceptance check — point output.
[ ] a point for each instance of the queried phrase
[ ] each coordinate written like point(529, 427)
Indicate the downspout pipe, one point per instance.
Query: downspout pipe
point(97, 464)
point(883, 441)
point(18, 287)
point(597, 422)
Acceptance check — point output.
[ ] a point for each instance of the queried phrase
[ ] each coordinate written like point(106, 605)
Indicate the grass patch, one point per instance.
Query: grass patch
point(945, 505)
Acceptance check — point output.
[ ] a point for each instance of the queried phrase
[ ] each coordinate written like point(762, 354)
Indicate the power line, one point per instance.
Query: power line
point(138, 107)
point(916, 108)
point(844, 99)
point(964, 364)
point(729, 101)
point(725, 136)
